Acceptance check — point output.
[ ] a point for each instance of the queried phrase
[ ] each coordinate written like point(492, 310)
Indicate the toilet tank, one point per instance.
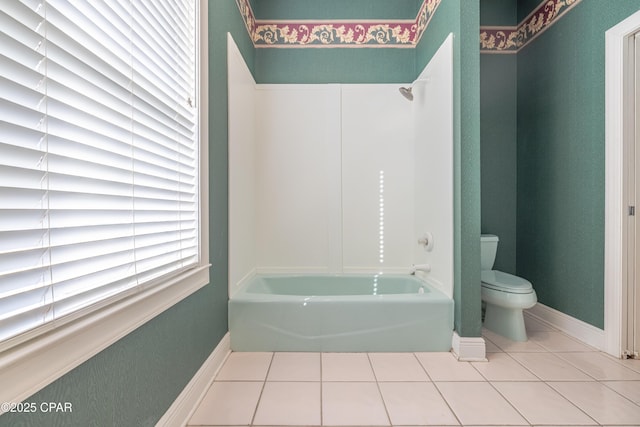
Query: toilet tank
point(488, 249)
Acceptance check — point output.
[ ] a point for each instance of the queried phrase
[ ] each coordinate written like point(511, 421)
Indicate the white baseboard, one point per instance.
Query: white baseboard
point(571, 326)
point(186, 403)
point(468, 349)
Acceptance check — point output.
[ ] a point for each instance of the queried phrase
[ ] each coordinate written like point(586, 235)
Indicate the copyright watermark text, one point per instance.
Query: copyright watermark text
point(33, 407)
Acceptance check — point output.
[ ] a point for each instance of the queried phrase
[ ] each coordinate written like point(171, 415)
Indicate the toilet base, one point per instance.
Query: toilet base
point(508, 322)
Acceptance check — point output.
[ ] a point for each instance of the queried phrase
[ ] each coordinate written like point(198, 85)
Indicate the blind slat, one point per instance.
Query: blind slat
point(98, 153)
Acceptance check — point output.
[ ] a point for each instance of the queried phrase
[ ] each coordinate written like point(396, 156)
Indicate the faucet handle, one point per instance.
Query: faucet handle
point(427, 241)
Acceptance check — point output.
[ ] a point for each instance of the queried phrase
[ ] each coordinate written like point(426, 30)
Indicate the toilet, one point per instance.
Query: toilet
point(505, 295)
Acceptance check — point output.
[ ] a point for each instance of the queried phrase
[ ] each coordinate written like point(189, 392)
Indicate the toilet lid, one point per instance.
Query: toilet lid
point(505, 282)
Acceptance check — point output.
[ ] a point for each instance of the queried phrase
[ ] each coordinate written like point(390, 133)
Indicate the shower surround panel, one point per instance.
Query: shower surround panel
point(339, 178)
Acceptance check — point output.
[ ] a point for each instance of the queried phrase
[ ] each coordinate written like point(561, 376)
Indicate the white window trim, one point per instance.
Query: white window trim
point(30, 366)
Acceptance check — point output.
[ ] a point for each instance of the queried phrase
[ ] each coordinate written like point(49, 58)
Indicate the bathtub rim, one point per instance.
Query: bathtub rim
point(435, 293)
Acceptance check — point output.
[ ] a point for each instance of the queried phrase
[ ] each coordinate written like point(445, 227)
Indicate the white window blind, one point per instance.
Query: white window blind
point(98, 154)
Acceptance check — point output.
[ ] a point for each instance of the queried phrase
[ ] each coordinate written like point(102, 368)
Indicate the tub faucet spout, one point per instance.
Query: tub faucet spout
point(420, 267)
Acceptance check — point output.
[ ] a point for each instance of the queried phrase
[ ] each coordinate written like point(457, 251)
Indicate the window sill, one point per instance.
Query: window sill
point(32, 365)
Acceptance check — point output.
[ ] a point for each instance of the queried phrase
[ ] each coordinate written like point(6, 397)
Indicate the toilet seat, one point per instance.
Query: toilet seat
point(505, 282)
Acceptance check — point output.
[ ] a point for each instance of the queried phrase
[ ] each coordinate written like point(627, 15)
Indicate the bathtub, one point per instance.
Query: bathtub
point(386, 313)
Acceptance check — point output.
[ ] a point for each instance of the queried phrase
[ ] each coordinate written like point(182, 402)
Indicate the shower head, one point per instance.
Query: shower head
point(406, 92)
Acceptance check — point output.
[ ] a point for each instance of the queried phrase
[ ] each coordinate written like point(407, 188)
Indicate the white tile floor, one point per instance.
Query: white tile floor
point(551, 380)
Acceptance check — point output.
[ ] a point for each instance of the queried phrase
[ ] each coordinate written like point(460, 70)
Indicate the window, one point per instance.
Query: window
point(100, 180)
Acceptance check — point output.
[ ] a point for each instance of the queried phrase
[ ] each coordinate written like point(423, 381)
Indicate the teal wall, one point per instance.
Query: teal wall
point(498, 100)
point(462, 18)
point(498, 135)
point(335, 9)
point(334, 65)
point(467, 171)
point(542, 132)
point(525, 7)
point(134, 381)
point(561, 145)
point(499, 12)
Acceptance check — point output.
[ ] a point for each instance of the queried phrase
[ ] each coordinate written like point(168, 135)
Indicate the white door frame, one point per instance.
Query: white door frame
point(616, 39)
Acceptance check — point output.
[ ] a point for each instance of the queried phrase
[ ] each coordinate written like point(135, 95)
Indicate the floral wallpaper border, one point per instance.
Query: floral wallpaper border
point(337, 33)
point(397, 33)
point(511, 39)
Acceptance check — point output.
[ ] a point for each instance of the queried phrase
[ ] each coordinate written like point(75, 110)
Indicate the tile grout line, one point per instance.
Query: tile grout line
point(423, 368)
point(568, 360)
point(446, 402)
point(539, 380)
point(523, 366)
point(570, 401)
point(495, 344)
point(617, 392)
point(545, 382)
point(375, 377)
point(546, 350)
point(264, 383)
point(508, 401)
point(321, 388)
point(621, 363)
point(601, 382)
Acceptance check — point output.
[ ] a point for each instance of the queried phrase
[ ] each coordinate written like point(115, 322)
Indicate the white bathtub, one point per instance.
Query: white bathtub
point(340, 313)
